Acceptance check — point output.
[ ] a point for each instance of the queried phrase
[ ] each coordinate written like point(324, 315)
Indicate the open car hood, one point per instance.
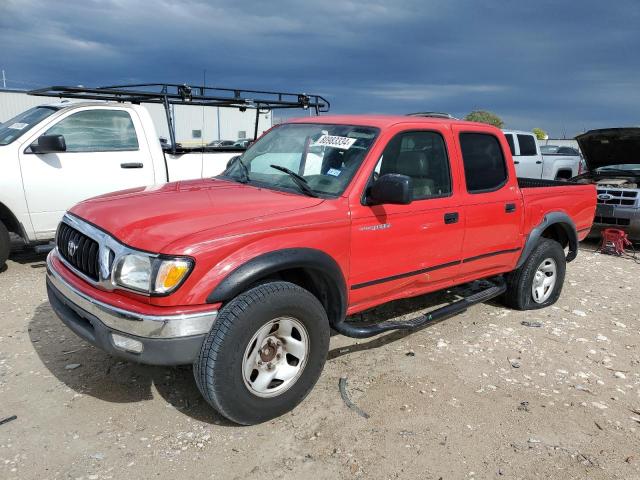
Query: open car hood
point(610, 146)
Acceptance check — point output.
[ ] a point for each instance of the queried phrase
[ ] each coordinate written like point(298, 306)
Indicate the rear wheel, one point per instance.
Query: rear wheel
point(538, 282)
point(5, 245)
point(264, 353)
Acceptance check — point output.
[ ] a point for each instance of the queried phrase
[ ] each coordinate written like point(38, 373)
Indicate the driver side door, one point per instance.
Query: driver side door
point(405, 250)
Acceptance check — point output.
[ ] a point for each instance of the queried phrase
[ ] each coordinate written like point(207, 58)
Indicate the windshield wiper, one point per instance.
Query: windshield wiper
point(299, 180)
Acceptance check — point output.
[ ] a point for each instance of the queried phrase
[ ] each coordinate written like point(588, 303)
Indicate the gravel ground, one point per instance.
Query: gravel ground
point(479, 395)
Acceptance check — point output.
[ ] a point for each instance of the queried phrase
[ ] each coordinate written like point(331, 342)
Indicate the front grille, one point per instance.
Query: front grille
point(625, 198)
point(622, 222)
point(85, 255)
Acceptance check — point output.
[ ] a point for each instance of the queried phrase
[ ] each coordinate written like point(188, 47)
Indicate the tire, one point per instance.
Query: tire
point(5, 245)
point(229, 352)
point(548, 258)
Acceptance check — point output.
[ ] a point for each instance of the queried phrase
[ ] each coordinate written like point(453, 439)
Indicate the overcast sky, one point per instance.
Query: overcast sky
point(564, 66)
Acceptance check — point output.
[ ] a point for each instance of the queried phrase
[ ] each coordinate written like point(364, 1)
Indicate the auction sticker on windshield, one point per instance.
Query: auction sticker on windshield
point(343, 143)
point(17, 126)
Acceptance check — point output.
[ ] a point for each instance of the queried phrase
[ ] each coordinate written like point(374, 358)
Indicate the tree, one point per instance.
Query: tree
point(483, 116)
point(540, 134)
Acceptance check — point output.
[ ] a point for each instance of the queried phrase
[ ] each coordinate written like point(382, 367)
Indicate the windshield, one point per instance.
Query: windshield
point(20, 124)
point(323, 157)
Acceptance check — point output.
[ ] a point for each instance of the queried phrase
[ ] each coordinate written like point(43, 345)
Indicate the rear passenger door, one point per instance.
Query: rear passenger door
point(528, 160)
point(492, 204)
point(399, 250)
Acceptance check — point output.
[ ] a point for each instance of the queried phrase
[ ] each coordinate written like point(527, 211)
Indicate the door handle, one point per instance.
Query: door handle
point(451, 217)
point(131, 165)
point(516, 162)
point(510, 207)
point(538, 162)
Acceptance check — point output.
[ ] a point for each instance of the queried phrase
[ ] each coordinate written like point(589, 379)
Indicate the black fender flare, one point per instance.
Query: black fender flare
point(269, 263)
point(552, 218)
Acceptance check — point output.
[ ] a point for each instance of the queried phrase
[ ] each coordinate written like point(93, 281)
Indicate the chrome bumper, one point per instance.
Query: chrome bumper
point(141, 325)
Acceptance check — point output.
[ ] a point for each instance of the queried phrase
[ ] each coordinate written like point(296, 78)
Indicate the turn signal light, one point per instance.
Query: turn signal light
point(170, 274)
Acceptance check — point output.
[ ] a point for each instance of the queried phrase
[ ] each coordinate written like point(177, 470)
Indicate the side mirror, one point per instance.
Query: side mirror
point(391, 188)
point(49, 144)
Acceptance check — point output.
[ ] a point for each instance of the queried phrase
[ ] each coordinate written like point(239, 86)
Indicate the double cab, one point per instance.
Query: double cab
point(245, 274)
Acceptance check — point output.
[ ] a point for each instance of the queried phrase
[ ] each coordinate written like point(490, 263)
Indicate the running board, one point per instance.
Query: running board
point(358, 330)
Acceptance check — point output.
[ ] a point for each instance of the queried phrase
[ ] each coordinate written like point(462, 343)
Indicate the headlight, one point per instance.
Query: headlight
point(149, 274)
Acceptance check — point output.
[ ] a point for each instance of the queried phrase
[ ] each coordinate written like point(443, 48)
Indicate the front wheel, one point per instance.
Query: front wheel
point(264, 353)
point(538, 282)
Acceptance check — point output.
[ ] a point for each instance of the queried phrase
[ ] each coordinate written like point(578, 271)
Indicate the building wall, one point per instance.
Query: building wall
point(187, 119)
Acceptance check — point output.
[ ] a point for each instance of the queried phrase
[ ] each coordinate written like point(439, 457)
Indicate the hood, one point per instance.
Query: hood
point(150, 218)
point(610, 146)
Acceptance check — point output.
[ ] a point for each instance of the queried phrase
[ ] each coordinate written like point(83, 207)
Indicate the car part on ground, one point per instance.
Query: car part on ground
point(614, 242)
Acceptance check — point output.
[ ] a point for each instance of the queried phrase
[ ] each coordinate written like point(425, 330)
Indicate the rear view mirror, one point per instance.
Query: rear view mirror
point(49, 144)
point(391, 188)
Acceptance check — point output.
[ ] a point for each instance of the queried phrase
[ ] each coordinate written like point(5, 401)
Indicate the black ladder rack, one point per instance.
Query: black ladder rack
point(169, 94)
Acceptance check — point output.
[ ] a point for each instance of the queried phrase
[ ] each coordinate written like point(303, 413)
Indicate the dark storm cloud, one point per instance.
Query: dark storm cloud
point(562, 66)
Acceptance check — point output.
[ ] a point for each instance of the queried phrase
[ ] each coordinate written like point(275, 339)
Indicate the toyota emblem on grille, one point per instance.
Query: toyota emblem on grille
point(605, 196)
point(71, 248)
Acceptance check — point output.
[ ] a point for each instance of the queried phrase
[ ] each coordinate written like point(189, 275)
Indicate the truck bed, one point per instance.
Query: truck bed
point(575, 199)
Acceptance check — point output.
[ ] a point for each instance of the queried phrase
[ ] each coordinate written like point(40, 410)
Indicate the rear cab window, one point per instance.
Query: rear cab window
point(527, 145)
point(512, 147)
point(485, 169)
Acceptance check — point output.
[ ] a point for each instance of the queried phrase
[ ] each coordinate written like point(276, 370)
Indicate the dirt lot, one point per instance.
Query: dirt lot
point(477, 396)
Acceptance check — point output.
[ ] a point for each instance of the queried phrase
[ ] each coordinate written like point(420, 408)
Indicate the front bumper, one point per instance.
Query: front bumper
point(166, 340)
point(623, 218)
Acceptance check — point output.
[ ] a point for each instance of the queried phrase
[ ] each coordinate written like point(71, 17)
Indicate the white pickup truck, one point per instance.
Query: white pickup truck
point(54, 156)
point(532, 163)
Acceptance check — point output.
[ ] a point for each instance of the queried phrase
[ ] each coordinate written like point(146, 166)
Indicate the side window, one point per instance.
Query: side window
point(484, 166)
point(97, 130)
point(421, 156)
point(567, 151)
point(510, 142)
point(527, 145)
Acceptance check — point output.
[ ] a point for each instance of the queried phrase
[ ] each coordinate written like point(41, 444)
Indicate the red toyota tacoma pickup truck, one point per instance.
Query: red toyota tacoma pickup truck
point(244, 275)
